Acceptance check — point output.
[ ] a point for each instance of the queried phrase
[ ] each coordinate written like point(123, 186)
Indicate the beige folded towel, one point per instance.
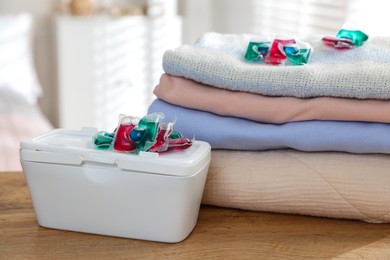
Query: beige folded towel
point(327, 184)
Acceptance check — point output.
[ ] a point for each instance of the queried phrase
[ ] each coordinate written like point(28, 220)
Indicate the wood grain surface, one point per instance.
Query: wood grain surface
point(220, 234)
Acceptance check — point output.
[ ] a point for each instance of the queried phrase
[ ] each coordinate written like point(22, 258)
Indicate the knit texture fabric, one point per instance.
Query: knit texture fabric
point(218, 60)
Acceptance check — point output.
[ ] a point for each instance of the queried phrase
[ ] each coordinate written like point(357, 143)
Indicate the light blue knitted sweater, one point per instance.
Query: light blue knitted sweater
point(218, 60)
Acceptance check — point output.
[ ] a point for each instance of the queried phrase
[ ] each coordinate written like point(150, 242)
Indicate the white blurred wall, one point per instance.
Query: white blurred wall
point(199, 16)
point(44, 51)
point(225, 16)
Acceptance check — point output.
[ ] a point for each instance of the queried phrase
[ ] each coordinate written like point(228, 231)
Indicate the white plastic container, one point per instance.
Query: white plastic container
point(147, 196)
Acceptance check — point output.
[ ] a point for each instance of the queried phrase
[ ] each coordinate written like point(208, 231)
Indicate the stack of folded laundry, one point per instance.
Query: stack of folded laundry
point(311, 139)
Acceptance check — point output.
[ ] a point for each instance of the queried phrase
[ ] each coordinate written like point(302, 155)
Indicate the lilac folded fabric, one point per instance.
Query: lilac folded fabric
point(232, 133)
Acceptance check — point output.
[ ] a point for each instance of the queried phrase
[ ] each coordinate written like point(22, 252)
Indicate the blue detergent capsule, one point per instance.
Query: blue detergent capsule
point(137, 133)
point(291, 49)
point(263, 48)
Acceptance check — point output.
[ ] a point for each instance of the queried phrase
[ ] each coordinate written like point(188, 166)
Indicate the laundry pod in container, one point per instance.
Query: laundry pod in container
point(148, 196)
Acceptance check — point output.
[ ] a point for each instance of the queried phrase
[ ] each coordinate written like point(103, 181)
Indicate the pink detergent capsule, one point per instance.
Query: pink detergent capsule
point(180, 143)
point(122, 140)
point(338, 43)
point(162, 139)
point(276, 53)
point(132, 132)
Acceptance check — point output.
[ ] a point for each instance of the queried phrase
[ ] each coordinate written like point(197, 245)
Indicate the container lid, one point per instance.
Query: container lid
point(68, 147)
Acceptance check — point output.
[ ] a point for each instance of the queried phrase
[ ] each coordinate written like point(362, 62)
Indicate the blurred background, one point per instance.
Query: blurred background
point(94, 59)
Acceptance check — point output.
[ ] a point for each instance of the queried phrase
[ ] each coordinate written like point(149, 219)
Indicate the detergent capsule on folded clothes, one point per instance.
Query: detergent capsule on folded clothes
point(276, 55)
point(338, 43)
point(357, 37)
point(257, 49)
point(301, 53)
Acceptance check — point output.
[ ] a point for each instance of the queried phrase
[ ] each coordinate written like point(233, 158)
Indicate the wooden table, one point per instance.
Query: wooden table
point(220, 234)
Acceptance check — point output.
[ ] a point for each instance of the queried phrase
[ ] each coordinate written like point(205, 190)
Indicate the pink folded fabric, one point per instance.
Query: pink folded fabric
point(190, 94)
